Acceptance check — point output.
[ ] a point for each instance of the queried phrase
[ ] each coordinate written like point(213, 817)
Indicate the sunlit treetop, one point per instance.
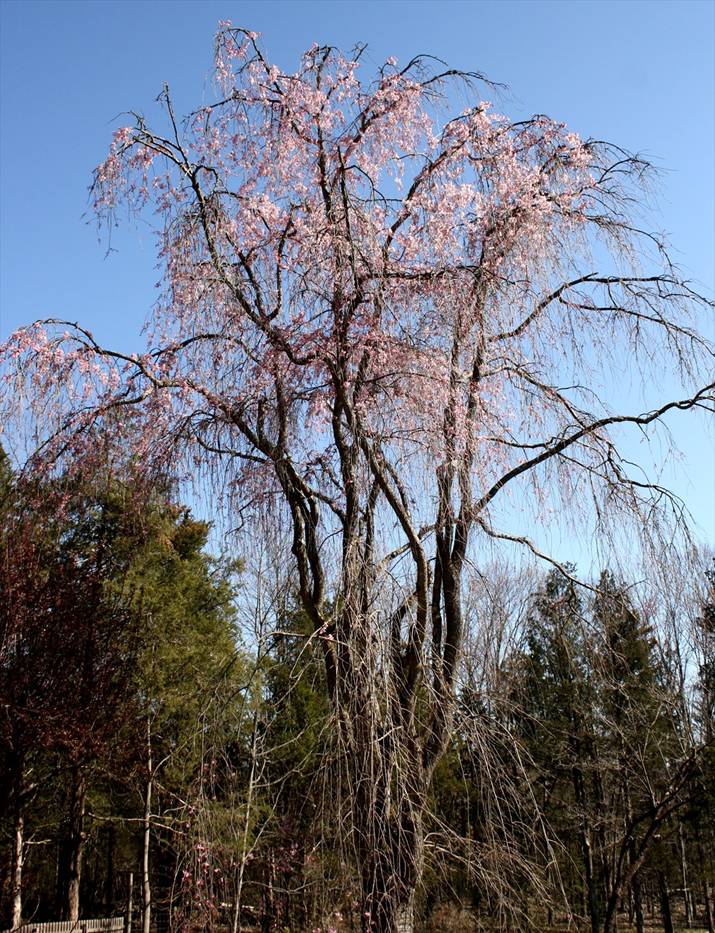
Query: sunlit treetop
point(348, 269)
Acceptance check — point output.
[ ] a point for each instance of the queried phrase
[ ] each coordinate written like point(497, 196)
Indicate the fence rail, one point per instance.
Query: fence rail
point(103, 924)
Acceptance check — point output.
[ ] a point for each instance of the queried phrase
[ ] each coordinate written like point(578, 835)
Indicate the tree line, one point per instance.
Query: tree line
point(157, 748)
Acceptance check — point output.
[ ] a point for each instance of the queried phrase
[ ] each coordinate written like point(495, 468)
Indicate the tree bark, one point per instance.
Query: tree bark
point(707, 902)
point(267, 920)
point(146, 880)
point(604, 893)
point(638, 904)
point(109, 878)
point(392, 865)
point(665, 903)
point(130, 904)
point(708, 906)
point(633, 858)
point(586, 851)
point(240, 872)
point(75, 843)
point(406, 918)
point(18, 851)
point(684, 876)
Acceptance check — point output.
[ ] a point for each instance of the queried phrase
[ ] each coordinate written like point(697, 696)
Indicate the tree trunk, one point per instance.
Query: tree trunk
point(75, 843)
point(18, 851)
point(406, 918)
point(236, 915)
point(591, 892)
point(388, 774)
point(238, 888)
point(605, 882)
point(665, 903)
point(267, 920)
point(638, 904)
point(684, 876)
point(636, 882)
point(389, 911)
point(130, 904)
point(146, 881)
point(610, 918)
point(109, 878)
point(586, 851)
point(392, 865)
point(708, 907)
point(707, 902)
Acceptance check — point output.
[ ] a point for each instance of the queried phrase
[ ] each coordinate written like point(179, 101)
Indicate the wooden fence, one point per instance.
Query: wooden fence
point(104, 924)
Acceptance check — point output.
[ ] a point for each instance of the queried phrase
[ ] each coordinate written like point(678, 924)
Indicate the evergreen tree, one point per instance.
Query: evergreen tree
point(117, 636)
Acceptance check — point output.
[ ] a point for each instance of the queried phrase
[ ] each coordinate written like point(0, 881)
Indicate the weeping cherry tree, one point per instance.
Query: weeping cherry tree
point(383, 324)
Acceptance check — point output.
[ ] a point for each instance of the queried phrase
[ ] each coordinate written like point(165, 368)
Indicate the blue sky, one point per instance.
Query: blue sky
point(636, 73)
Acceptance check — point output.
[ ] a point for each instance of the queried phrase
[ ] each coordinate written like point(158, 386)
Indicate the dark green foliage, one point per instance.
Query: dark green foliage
point(110, 613)
point(578, 785)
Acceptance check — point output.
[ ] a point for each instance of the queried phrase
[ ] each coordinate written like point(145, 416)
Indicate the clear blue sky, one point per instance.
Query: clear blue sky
point(636, 73)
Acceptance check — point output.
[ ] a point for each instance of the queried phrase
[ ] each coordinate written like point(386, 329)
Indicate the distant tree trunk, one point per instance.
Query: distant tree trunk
point(18, 851)
point(633, 857)
point(236, 920)
point(236, 915)
point(586, 851)
point(604, 892)
point(622, 877)
point(146, 880)
point(684, 876)
point(75, 842)
point(707, 902)
point(130, 904)
point(268, 896)
point(708, 906)
point(665, 903)
point(638, 904)
point(109, 878)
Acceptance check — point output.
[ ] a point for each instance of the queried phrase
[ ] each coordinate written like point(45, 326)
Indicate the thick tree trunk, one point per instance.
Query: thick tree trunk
point(388, 778)
point(591, 892)
point(75, 843)
point(390, 908)
point(19, 799)
point(405, 918)
point(392, 865)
